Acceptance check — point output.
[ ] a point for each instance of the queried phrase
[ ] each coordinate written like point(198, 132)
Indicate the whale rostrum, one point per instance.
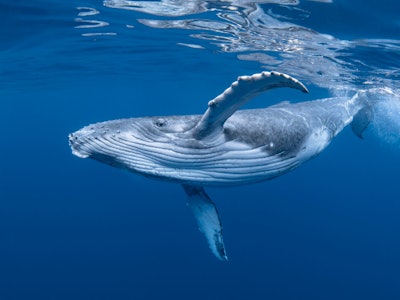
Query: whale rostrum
point(224, 146)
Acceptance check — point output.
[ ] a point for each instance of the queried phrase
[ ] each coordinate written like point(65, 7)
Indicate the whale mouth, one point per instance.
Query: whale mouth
point(77, 145)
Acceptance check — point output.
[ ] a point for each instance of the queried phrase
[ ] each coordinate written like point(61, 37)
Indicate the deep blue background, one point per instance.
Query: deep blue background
point(76, 229)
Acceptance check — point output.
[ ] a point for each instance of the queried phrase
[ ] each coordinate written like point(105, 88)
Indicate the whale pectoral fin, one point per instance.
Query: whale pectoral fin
point(240, 91)
point(361, 121)
point(207, 218)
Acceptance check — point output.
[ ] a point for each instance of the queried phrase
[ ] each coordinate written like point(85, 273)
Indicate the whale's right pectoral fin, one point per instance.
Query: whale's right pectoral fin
point(207, 218)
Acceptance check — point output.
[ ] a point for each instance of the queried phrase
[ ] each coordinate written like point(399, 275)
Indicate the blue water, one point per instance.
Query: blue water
point(77, 229)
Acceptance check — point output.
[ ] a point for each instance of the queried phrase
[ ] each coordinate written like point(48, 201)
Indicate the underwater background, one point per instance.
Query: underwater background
point(77, 229)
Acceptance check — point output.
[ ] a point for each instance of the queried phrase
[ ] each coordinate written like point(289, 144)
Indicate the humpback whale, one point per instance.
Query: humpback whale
point(225, 146)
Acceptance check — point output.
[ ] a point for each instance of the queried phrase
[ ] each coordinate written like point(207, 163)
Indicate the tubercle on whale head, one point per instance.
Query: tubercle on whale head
point(90, 139)
point(77, 141)
point(72, 138)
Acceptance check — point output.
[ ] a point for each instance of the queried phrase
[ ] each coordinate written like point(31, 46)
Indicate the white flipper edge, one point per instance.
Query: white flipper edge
point(207, 218)
point(240, 91)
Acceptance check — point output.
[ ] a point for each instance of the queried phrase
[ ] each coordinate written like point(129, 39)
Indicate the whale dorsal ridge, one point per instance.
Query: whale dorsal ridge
point(240, 91)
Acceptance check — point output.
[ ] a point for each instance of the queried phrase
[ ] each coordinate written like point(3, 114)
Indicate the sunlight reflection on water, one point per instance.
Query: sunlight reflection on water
point(267, 32)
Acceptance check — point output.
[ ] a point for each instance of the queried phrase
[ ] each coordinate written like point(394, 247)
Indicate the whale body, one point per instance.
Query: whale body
point(224, 146)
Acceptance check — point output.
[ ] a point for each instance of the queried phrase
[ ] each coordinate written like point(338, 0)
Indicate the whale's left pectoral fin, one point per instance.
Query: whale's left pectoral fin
point(207, 218)
point(242, 90)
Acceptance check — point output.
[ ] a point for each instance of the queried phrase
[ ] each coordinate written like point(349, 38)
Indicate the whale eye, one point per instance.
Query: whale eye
point(161, 123)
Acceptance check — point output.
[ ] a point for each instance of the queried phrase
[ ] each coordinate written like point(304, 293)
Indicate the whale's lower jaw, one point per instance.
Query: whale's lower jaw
point(212, 168)
point(78, 153)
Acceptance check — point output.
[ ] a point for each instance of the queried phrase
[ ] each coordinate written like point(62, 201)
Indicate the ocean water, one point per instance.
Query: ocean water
point(77, 229)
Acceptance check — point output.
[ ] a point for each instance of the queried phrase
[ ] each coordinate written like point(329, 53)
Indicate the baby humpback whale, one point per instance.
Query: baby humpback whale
point(224, 146)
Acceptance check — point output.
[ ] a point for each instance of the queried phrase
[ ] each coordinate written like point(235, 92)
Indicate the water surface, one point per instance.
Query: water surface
point(75, 229)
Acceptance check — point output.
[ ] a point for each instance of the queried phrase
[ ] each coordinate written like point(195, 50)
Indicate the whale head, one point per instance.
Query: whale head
point(151, 146)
